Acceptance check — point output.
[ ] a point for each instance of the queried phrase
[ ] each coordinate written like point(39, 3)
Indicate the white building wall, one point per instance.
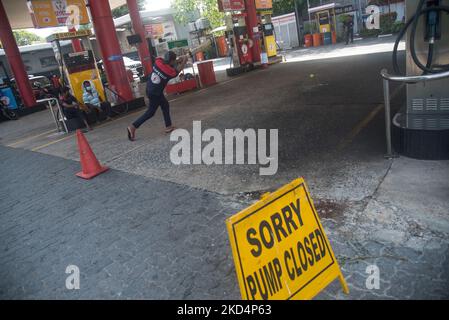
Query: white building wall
point(285, 31)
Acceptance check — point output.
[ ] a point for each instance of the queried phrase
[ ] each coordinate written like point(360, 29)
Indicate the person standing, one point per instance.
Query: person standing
point(164, 69)
point(349, 28)
point(56, 82)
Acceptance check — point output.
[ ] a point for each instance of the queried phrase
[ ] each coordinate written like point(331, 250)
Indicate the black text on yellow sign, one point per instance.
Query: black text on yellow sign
point(280, 249)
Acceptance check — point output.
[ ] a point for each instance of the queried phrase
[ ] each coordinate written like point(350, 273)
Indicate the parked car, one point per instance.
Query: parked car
point(130, 64)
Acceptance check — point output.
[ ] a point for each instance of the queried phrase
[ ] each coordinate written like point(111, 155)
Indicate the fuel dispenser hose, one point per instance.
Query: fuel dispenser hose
point(413, 22)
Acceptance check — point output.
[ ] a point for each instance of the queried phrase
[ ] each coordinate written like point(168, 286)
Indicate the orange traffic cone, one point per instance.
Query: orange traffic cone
point(89, 163)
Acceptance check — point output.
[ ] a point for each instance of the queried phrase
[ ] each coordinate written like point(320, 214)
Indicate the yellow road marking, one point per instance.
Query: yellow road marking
point(51, 143)
point(364, 123)
point(30, 138)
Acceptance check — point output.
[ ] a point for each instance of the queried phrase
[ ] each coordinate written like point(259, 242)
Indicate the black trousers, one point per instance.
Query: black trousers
point(155, 102)
point(350, 35)
point(106, 108)
point(73, 113)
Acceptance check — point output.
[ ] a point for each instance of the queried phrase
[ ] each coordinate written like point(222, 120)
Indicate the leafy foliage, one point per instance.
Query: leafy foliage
point(398, 26)
point(24, 37)
point(122, 10)
point(309, 27)
point(366, 33)
point(281, 7)
point(387, 22)
point(344, 17)
point(186, 10)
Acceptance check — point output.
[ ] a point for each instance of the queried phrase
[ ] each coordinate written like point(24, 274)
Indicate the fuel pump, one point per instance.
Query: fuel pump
point(427, 32)
point(266, 27)
point(421, 129)
point(324, 21)
point(243, 45)
point(77, 67)
point(239, 42)
point(269, 39)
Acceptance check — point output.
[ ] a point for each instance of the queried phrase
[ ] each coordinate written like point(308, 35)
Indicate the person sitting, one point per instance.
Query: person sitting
point(71, 108)
point(92, 99)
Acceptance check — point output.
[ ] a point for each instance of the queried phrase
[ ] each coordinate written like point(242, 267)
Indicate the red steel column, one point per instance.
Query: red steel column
point(251, 22)
point(110, 49)
point(15, 60)
point(144, 51)
point(76, 43)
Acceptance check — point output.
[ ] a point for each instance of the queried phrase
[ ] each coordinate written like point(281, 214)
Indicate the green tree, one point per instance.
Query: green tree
point(122, 10)
point(281, 7)
point(85, 27)
point(187, 9)
point(24, 37)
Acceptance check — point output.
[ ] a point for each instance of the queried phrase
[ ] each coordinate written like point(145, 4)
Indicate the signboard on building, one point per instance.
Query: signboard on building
point(280, 249)
point(155, 30)
point(166, 30)
point(178, 44)
point(69, 35)
point(264, 4)
point(57, 13)
point(344, 9)
point(232, 5)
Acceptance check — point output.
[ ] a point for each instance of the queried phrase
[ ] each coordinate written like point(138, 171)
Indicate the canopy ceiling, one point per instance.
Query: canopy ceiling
point(19, 17)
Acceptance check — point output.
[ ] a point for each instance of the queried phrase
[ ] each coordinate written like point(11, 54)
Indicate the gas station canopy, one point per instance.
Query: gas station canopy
point(20, 18)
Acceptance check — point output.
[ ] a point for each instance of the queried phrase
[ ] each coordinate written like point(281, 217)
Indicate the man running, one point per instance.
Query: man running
point(163, 71)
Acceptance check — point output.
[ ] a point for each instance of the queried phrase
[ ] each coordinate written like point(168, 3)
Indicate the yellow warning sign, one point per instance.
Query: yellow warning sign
point(280, 249)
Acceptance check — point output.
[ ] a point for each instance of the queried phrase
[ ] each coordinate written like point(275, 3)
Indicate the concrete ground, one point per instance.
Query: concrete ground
point(150, 229)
